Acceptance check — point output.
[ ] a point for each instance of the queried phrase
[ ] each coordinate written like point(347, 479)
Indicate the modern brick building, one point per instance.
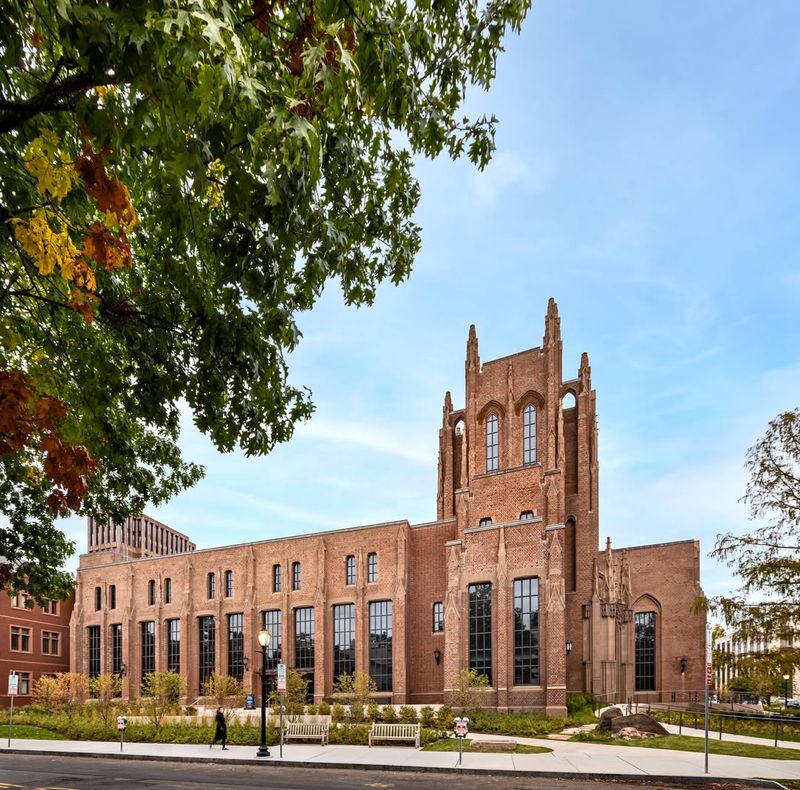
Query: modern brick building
point(509, 579)
point(34, 641)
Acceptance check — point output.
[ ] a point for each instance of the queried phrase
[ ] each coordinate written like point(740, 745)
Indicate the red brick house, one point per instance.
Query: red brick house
point(33, 642)
point(509, 579)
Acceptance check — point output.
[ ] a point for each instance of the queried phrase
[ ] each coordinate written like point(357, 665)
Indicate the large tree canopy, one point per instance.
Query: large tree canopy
point(181, 178)
point(767, 560)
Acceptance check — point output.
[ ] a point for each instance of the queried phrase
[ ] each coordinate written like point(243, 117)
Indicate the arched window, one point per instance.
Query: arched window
point(295, 575)
point(228, 584)
point(167, 590)
point(529, 434)
point(492, 443)
point(372, 567)
point(644, 624)
point(438, 617)
point(98, 599)
point(276, 578)
point(151, 592)
point(212, 585)
point(350, 570)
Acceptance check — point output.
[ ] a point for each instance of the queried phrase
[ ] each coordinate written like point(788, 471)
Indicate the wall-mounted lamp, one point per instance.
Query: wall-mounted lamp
point(568, 646)
point(246, 662)
point(437, 656)
point(122, 670)
point(684, 661)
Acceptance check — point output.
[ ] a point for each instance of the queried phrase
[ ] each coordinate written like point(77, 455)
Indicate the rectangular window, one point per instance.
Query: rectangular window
point(438, 617)
point(51, 643)
point(304, 638)
point(98, 599)
point(148, 634)
point(276, 578)
point(167, 590)
point(151, 592)
point(23, 684)
point(272, 623)
point(93, 650)
point(372, 567)
point(112, 596)
point(344, 640)
point(480, 629)
point(20, 639)
point(295, 575)
point(212, 586)
point(350, 570)
point(50, 607)
point(486, 521)
point(380, 644)
point(228, 584)
point(236, 646)
point(116, 649)
point(173, 645)
point(207, 646)
point(645, 650)
point(526, 632)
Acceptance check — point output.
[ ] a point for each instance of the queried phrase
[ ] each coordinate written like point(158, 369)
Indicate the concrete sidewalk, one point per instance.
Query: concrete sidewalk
point(568, 758)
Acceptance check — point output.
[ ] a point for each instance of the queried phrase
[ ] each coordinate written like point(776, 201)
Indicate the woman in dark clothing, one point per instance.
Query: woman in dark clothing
point(221, 733)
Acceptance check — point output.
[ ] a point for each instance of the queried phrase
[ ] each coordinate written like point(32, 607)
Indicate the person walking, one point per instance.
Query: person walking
point(221, 733)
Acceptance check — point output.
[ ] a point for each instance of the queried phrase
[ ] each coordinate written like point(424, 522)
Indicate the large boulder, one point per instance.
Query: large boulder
point(640, 721)
point(608, 715)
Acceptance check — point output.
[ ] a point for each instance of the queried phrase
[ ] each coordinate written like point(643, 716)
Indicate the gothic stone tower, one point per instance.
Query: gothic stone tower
point(518, 471)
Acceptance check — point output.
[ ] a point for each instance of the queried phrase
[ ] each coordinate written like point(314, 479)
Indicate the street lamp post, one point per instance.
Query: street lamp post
point(786, 691)
point(264, 638)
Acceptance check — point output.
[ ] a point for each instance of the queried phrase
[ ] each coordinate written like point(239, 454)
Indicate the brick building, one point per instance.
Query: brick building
point(34, 641)
point(509, 579)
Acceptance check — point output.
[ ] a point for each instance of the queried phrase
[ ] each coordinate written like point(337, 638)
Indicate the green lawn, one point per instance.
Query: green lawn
point(451, 745)
point(29, 731)
point(687, 743)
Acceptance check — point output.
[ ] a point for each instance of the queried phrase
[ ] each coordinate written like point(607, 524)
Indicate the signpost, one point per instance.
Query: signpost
point(282, 693)
point(122, 722)
point(13, 690)
point(461, 729)
point(709, 682)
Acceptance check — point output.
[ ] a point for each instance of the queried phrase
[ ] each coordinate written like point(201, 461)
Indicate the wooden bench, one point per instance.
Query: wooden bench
point(303, 730)
point(394, 732)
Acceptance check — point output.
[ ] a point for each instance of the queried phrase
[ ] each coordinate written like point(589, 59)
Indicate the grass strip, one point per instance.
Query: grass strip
point(687, 743)
point(451, 745)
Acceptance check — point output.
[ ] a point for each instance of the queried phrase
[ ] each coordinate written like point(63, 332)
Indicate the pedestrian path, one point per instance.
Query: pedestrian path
point(567, 758)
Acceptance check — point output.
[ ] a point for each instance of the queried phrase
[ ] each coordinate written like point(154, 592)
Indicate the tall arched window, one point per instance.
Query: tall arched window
point(529, 434)
point(492, 443)
point(644, 624)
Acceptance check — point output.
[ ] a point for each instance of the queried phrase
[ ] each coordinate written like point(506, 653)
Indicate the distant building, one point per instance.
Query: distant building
point(508, 580)
point(728, 651)
point(33, 642)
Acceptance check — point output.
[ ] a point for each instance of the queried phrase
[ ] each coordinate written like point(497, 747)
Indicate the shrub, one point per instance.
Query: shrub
point(444, 718)
point(337, 713)
point(311, 710)
point(427, 717)
point(579, 701)
point(373, 711)
point(388, 713)
point(354, 734)
point(160, 693)
point(408, 714)
point(356, 712)
point(324, 709)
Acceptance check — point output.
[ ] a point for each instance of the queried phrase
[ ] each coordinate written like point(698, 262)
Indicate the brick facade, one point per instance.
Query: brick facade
point(34, 641)
point(517, 515)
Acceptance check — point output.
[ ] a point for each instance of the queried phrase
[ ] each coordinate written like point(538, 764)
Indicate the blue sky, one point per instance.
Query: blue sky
point(646, 176)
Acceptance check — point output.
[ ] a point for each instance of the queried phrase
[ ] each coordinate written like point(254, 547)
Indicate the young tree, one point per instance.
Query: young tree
point(72, 689)
point(767, 560)
point(296, 693)
point(46, 692)
point(160, 693)
point(227, 692)
point(468, 691)
point(356, 689)
point(180, 181)
point(106, 690)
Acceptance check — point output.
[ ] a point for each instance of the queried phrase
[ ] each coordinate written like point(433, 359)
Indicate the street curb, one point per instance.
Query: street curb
point(640, 779)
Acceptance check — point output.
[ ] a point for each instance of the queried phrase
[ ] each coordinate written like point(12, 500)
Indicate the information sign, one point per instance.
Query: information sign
point(13, 684)
point(282, 677)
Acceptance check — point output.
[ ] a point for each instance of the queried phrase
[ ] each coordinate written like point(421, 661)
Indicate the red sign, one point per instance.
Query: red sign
point(709, 675)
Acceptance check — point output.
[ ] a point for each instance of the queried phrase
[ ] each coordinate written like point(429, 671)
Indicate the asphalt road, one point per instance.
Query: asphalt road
point(40, 772)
